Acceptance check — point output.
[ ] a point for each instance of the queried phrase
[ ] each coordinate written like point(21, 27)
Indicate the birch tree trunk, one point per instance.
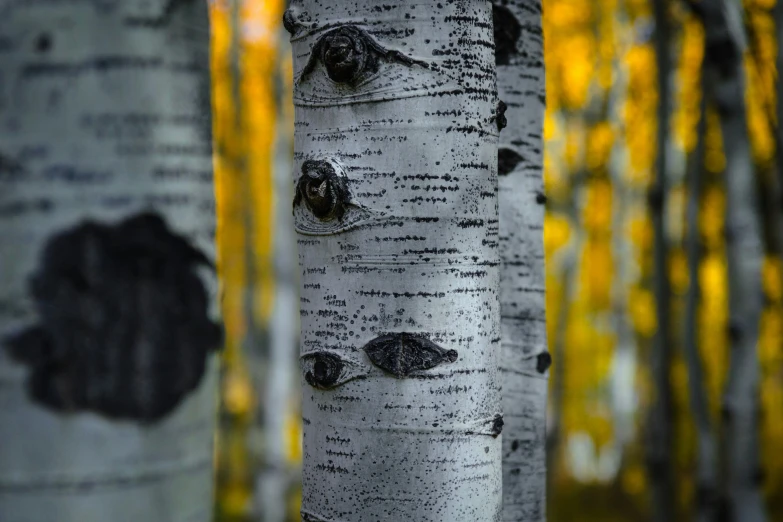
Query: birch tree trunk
point(519, 55)
point(396, 210)
point(659, 431)
point(724, 49)
point(108, 313)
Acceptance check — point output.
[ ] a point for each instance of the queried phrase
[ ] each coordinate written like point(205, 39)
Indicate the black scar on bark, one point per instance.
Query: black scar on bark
point(326, 371)
point(507, 161)
point(541, 198)
point(507, 31)
point(323, 190)
point(497, 426)
point(500, 115)
point(123, 329)
point(349, 54)
point(543, 362)
point(400, 354)
point(43, 43)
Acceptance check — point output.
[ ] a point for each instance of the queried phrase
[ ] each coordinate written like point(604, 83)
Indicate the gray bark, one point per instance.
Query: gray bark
point(659, 430)
point(396, 212)
point(706, 456)
point(524, 357)
point(108, 302)
point(724, 48)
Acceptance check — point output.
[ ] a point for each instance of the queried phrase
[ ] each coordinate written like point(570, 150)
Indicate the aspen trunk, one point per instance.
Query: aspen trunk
point(396, 212)
point(519, 55)
point(724, 49)
point(659, 431)
point(706, 456)
point(108, 300)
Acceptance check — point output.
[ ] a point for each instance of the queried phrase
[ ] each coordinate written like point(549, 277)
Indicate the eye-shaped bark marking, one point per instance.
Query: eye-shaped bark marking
point(123, 327)
point(400, 354)
point(507, 31)
point(323, 190)
point(350, 55)
point(507, 161)
point(326, 370)
point(500, 115)
point(322, 201)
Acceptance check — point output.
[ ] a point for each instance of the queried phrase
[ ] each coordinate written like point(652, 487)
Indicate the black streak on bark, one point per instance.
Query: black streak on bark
point(507, 32)
point(401, 353)
point(351, 55)
point(500, 115)
point(323, 190)
point(326, 371)
point(123, 328)
point(543, 362)
point(507, 161)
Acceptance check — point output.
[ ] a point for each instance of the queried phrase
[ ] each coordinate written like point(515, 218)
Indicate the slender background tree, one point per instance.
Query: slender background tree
point(519, 55)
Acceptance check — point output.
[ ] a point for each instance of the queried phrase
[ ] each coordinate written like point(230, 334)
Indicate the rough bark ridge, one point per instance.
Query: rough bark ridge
point(107, 292)
point(396, 210)
point(519, 53)
point(724, 52)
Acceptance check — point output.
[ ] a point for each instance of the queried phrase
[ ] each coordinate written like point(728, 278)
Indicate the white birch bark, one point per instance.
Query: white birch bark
point(396, 210)
point(519, 53)
point(107, 302)
point(724, 49)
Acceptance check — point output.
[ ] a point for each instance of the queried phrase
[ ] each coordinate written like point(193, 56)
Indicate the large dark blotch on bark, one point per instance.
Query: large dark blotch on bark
point(507, 31)
point(123, 328)
point(326, 371)
point(400, 354)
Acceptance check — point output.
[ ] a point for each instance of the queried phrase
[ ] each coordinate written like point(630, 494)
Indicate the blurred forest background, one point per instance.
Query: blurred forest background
point(600, 164)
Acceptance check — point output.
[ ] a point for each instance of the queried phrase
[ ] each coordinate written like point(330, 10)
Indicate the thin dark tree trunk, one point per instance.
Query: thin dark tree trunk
point(659, 430)
point(706, 460)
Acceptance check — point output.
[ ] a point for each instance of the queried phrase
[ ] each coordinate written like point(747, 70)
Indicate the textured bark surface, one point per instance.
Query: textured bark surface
point(107, 291)
point(396, 209)
point(724, 49)
point(525, 361)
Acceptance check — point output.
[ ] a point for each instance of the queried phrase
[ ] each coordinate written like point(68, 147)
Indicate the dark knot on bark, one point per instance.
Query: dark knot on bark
point(346, 54)
point(500, 115)
point(325, 371)
point(323, 190)
point(543, 362)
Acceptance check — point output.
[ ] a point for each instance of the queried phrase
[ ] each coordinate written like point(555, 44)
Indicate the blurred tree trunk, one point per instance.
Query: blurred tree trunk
point(396, 212)
point(519, 56)
point(659, 429)
point(107, 291)
point(779, 91)
point(706, 460)
point(724, 51)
